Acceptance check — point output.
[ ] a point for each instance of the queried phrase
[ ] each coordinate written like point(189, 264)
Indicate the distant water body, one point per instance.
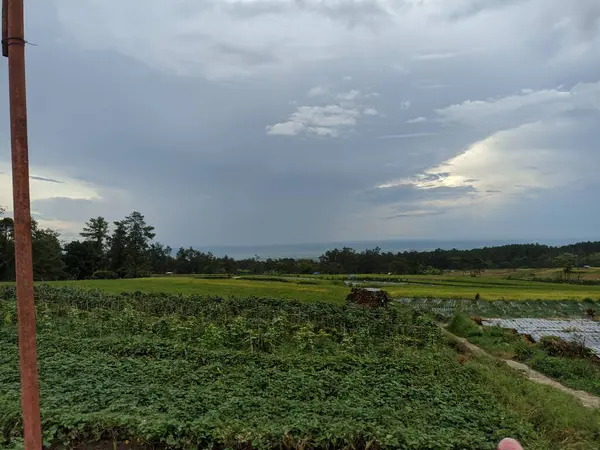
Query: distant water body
point(317, 249)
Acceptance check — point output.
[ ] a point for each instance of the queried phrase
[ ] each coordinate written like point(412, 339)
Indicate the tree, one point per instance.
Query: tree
point(160, 258)
point(46, 250)
point(47, 254)
point(7, 248)
point(137, 242)
point(80, 259)
point(95, 232)
point(116, 252)
point(565, 260)
point(399, 266)
point(229, 266)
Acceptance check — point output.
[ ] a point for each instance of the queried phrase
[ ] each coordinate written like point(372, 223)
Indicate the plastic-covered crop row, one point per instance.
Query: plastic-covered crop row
point(504, 308)
point(586, 332)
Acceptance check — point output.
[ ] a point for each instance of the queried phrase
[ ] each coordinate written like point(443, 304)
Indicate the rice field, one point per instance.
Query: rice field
point(334, 289)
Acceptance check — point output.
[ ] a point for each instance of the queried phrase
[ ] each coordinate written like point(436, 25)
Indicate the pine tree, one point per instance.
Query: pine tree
point(137, 243)
point(116, 252)
point(95, 232)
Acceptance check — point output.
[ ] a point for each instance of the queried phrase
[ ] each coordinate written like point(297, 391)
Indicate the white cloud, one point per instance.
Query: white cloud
point(406, 135)
point(444, 55)
point(328, 120)
point(405, 104)
point(349, 96)
point(317, 91)
point(401, 69)
point(225, 39)
point(525, 106)
point(417, 120)
point(437, 56)
point(347, 78)
point(290, 128)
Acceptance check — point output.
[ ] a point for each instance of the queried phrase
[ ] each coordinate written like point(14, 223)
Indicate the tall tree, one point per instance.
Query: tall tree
point(138, 237)
point(116, 252)
point(95, 232)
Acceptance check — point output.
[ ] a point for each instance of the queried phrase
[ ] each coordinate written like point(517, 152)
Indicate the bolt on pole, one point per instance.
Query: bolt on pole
point(13, 47)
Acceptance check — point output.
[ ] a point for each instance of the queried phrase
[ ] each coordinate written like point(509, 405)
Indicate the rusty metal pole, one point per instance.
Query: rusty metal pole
point(14, 43)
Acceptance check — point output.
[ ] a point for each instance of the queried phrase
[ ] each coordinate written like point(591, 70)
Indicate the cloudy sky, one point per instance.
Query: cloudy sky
point(289, 121)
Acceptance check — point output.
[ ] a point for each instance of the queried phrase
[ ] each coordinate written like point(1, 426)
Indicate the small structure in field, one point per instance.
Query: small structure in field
point(368, 297)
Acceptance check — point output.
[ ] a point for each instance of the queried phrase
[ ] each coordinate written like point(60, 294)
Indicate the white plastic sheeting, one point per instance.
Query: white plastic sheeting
point(586, 332)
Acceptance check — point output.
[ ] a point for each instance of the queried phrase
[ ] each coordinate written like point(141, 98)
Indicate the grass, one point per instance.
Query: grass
point(332, 289)
point(188, 372)
point(582, 373)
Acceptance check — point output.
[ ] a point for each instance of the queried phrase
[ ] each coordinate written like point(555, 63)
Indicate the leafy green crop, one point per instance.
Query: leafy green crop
point(191, 372)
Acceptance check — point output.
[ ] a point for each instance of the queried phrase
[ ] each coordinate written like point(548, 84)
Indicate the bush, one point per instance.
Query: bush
point(138, 274)
point(462, 325)
point(523, 350)
point(104, 275)
point(555, 346)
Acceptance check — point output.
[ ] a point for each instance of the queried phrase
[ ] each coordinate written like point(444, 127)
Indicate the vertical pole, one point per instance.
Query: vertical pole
point(14, 41)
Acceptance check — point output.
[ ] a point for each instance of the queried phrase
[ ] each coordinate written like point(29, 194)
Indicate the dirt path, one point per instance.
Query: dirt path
point(587, 400)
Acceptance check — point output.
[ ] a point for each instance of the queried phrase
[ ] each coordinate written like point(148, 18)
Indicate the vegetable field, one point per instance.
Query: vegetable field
point(169, 371)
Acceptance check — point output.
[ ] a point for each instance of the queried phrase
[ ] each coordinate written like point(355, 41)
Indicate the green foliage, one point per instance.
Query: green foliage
point(47, 254)
point(96, 236)
point(96, 232)
point(577, 373)
point(7, 251)
point(104, 275)
point(554, 346)
point(137, 242)
point(117, 250)
point(81, 259)
point(462, 325)
point(193, 372)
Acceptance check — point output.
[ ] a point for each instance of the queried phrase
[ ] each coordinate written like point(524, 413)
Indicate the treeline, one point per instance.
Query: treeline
point(126, 249)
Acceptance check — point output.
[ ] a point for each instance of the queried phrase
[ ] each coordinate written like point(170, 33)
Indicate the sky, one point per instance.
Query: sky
point(252, 122)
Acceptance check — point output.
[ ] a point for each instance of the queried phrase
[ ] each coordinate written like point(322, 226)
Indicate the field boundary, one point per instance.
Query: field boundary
point(586, 399)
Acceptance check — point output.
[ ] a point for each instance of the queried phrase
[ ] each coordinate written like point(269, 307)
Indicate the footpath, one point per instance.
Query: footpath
point(587, 400)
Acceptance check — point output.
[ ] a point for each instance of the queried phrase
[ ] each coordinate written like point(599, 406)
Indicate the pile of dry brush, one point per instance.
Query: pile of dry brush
point(368, 298)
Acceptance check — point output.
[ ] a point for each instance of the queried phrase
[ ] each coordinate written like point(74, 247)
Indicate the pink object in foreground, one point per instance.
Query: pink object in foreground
point(509, 444)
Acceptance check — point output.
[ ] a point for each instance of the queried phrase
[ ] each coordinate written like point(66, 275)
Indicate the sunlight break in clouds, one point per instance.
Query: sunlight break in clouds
point(505, 165)
point(45, 184)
